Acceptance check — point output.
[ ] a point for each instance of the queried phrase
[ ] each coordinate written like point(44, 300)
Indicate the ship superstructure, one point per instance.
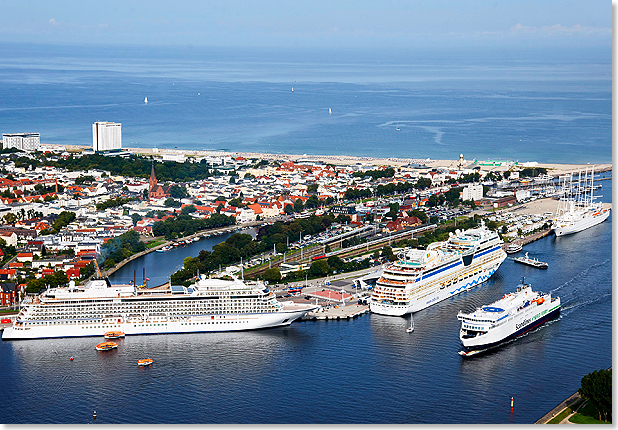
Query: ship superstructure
point(421, 278)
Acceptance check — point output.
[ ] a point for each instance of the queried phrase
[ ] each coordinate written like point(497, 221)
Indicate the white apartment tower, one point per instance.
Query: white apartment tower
point(472, 192)
point(106, 136)
point(23, 141)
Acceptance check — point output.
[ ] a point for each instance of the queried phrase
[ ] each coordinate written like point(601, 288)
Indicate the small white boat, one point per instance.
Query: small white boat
point(330, 111)
point(411, 328)
point(292, 89)
point(534, 262)
point(146, 100)
point(513, 248)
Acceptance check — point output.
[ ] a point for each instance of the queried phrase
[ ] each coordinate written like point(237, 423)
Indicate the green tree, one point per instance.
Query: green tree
point(178, 192)
point(236, 202)
point(187, 210)
point(312, 188)
point(272, 275)
point(298, 205)
point(387, 252)
point(10, 218)
point(423, 183)
point(312, 202)
point(136, 217)
point(171, 203)
point(596, 387)
point(319, 268)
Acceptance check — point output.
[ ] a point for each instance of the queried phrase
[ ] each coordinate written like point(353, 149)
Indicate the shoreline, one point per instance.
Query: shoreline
point(554, 168)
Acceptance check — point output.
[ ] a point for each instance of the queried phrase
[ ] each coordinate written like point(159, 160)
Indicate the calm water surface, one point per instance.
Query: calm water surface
point(546, 106)
point(367, 370)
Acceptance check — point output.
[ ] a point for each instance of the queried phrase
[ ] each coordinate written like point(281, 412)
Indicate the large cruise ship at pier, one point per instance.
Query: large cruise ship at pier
point(421, 278)
point(577, 210)
point(209, 305)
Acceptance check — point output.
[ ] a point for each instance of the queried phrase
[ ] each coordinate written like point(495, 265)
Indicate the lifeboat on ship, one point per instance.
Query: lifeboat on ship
point(113, 335)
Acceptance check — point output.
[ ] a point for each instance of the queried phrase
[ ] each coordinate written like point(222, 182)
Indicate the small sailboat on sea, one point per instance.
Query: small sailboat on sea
point(411, 328)
point(330, 111)
point(292, 89)
point(145, 100)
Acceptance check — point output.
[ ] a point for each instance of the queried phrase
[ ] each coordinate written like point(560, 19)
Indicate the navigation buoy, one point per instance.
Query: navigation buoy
point(94, 415)
point(511, 404)
point(71, 358)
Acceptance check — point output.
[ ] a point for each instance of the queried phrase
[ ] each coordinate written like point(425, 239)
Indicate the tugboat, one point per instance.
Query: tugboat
point(534, 262)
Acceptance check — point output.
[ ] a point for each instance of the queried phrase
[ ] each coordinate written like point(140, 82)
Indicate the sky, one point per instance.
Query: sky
point(312, 24)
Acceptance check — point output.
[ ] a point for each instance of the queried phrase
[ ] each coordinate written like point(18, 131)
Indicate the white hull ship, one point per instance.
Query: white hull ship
point(209, 305)
point(422, 278)
point(577, 210)
point(511, 316)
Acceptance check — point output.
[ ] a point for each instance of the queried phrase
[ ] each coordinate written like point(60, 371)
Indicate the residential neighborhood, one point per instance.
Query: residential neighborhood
point(58, 219)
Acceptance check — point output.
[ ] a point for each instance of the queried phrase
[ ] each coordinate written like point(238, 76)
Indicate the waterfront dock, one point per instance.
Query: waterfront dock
point(528, 239)
point(338, 312)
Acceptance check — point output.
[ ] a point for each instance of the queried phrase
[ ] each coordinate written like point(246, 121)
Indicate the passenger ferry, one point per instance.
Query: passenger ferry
point(511, 316)
point(209, 305)
point(421, 278)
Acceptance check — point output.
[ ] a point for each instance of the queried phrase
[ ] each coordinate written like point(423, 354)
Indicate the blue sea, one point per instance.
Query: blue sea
point(529, 105)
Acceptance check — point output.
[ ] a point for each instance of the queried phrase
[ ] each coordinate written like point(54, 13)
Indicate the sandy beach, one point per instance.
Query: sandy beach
point(553, 169)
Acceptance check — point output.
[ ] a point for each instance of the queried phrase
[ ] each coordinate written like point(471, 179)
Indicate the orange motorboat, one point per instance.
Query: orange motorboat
point(144, 362)
point(106, 346)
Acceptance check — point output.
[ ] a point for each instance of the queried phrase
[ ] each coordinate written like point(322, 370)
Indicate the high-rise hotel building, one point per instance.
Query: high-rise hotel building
point(22, 141)
point(106, 136)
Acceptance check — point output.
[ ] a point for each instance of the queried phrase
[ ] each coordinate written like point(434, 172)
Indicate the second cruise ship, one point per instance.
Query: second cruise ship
point(421, 278)
point(98, 307)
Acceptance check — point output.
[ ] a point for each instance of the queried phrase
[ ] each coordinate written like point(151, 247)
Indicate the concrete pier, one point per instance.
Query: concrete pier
point(337, 312)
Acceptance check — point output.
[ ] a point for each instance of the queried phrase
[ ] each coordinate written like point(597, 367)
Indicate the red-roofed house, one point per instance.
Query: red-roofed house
point(24, 256)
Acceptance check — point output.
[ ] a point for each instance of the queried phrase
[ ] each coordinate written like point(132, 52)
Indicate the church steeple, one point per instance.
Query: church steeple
point(152, 183)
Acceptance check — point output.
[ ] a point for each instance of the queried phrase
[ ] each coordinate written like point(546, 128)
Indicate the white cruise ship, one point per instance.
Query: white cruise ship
point(422, 278)
point(511, 316)
point(207, 306)
point(577, 210)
